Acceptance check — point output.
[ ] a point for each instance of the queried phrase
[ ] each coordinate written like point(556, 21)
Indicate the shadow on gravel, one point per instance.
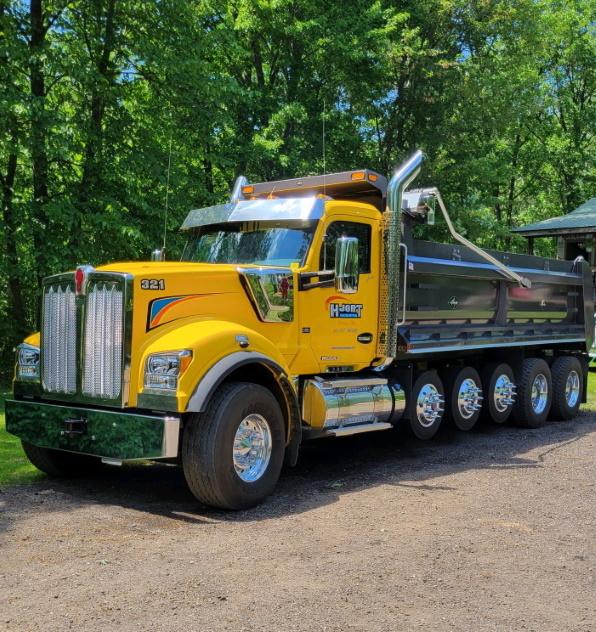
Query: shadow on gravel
point(326, 470)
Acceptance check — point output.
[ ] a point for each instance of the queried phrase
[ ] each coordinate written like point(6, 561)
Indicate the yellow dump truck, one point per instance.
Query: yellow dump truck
point(300, 309)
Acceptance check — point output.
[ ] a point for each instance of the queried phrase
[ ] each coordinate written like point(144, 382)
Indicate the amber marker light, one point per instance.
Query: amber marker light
point(358, 175)
point(247, 190)
point(372, 177)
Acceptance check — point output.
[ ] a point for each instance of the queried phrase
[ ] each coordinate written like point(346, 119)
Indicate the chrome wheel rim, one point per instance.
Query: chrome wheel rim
point(252, 448)
point(428, 405)
point(468, 398)
point(504, 394)
point(539, 393)
point(572, 389)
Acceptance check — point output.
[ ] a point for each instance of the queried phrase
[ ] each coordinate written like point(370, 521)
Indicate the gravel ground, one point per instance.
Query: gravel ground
point(490, 530)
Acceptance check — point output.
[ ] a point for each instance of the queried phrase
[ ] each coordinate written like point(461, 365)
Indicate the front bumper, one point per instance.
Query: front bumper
point(111, 435)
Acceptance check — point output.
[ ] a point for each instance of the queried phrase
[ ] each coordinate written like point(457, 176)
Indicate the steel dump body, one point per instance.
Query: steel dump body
point(455, 300)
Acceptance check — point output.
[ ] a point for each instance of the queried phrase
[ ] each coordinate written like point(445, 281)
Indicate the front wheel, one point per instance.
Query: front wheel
point(233, 452)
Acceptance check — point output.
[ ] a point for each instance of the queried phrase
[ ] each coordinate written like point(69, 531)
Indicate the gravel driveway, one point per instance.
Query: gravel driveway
point(490, 530)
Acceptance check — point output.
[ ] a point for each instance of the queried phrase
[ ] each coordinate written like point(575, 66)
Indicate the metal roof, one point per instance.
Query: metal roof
point(582, 220)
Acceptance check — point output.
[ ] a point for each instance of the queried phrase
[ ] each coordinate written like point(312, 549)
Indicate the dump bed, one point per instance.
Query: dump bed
point(455, 300)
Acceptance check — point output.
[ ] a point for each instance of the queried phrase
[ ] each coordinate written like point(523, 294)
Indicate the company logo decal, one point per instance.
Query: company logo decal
point(159, 308)
point(346, 309)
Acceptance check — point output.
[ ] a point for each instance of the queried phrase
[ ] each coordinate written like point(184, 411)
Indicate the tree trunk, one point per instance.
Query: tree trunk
point(39, 156)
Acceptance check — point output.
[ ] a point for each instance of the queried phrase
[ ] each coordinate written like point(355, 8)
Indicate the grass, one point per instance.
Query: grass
point(15, 468)
point(590, 405)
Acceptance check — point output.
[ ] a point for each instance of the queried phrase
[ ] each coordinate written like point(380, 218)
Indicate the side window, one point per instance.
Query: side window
point(347, 229)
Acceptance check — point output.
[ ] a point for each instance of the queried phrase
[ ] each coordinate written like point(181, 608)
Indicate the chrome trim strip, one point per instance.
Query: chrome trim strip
point(405, 285)
point(522, 343)
point(547, 276)
point(346, 432)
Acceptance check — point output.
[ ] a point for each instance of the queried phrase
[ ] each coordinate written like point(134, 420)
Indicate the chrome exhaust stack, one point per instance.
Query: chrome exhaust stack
point(390, 303)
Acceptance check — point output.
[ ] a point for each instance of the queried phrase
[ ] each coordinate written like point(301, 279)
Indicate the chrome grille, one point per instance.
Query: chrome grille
point(83, 337)
point(59, 339)
point(102, 368)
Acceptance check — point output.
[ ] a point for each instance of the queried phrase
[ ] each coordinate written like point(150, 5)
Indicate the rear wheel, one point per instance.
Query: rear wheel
point(567, 387)
point(464, 396)
point(233, 452)
point(426, 405)
point(60, 463)
point(499, 392)
point(534, 394)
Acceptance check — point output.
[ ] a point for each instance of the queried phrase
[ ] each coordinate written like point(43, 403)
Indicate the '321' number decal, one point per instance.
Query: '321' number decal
point(153, 284)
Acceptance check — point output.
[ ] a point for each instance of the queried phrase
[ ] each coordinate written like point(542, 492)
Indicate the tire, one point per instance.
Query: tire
point(217, 470)
point(463, 394)
point(534, 394)
point(568, 383)
point(426, 405)
point(499, 392)
point(59, 463)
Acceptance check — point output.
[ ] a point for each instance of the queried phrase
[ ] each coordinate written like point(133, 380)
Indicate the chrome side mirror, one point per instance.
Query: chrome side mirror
point(346, 265)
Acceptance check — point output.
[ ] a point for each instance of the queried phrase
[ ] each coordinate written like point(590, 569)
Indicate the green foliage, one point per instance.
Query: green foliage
point(101, 100)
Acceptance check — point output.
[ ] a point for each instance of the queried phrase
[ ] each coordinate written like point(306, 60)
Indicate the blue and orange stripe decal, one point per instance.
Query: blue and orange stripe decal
point(161, 306)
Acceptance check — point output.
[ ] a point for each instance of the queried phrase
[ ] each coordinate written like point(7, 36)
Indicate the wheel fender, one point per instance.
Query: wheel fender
point(220, 370)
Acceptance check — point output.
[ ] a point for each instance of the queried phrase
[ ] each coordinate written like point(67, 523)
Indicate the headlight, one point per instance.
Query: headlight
point(163, 370)
point(27, 361)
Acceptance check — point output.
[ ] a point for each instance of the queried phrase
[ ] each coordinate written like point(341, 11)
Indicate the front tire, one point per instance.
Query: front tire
point(534, 394)
point(233, 452)
point(59, 463)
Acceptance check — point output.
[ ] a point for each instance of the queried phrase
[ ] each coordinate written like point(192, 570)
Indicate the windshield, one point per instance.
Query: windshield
point(260, 243)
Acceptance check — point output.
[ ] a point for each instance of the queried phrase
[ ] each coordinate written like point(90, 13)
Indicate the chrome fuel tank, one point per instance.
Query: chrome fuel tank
point(341, 403)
